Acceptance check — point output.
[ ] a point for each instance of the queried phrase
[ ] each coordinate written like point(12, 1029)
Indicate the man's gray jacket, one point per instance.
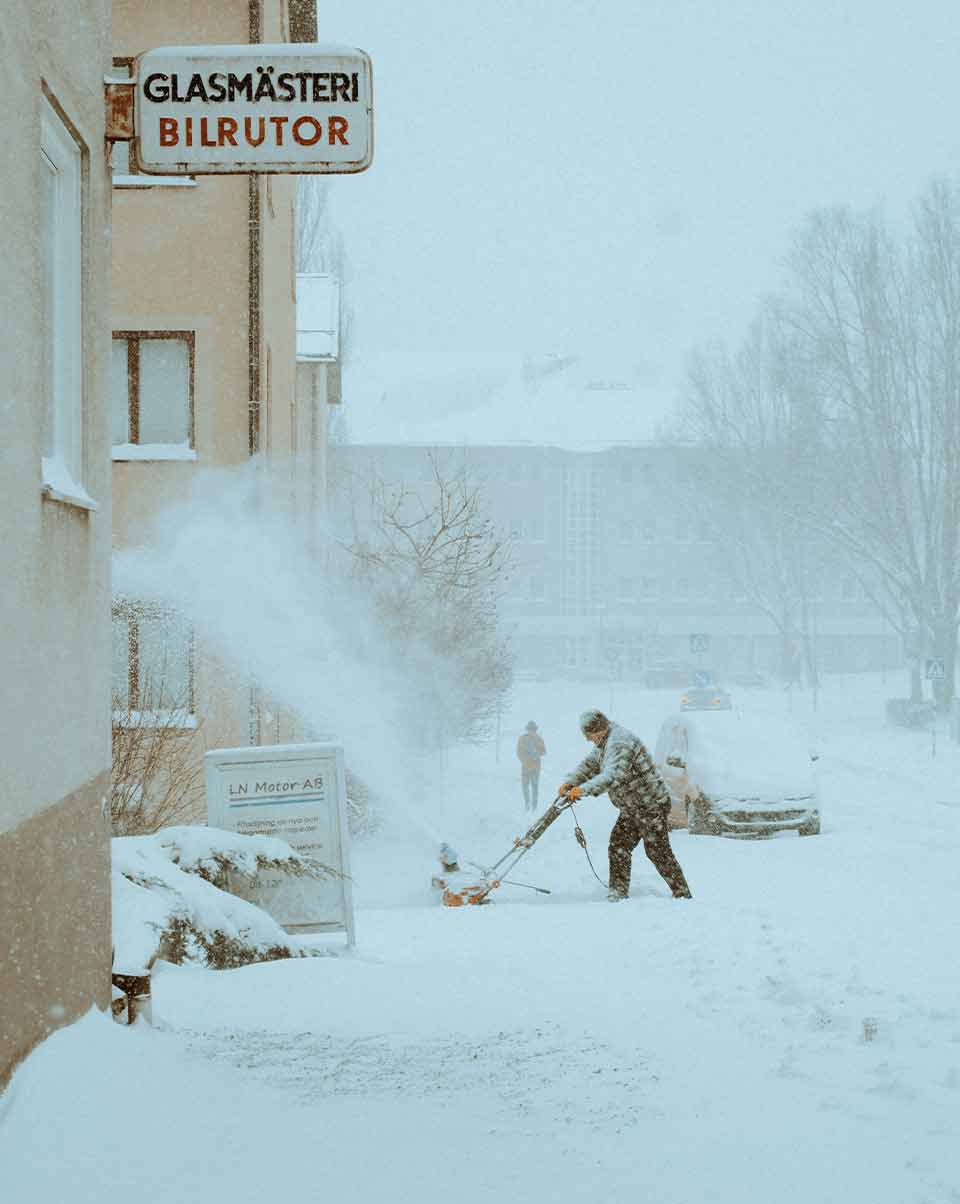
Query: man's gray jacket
point(623, 767)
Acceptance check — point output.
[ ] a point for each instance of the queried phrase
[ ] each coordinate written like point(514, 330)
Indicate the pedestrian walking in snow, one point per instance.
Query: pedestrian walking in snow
point(530, 749)
point(621, 765)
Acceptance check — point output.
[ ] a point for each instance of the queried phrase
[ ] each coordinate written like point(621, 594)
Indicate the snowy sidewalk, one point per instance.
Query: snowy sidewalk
point(562, 1052)
point(558, 1049)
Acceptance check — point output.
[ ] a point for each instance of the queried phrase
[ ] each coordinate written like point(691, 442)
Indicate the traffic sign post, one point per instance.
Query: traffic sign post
point(936, 668)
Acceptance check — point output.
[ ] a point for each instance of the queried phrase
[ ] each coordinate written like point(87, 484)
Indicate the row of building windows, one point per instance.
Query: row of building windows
point(630, 590)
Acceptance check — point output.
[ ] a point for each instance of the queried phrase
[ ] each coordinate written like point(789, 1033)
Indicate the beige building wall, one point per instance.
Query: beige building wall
point(54, 604)
point(216, 258)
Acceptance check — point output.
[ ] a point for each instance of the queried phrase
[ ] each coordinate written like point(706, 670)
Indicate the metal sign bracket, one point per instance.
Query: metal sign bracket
point(119, 95)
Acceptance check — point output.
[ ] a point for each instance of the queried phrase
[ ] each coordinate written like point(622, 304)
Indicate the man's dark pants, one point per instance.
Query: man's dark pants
point(648, 824)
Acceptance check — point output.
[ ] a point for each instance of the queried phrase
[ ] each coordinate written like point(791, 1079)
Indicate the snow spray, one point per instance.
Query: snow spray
point(261, 597)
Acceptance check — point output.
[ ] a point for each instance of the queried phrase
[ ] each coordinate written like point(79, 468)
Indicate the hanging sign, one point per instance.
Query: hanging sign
point(291, 107)
point(296, 792)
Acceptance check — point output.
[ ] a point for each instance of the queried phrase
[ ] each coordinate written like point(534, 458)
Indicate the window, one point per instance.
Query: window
point(625, 589)
point(648, 587)
point(535, 530)
point(626, 532)
point(516, 528)
point(848, 590)
point(683, 587)
point(649, 531)
point(537, 589)
point(61, 210)
point(153, 662)
point(626, 474)
point(151, 387)
point(682, 529)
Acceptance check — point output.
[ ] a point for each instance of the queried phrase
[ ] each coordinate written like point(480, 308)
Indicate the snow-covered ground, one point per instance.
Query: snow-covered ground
point(560, 1048)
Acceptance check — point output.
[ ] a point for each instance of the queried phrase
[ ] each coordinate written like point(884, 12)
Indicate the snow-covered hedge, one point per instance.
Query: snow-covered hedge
point(170, 898)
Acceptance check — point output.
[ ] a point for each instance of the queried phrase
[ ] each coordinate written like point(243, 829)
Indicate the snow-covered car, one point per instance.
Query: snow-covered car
point(706, 698)
point(748, 777)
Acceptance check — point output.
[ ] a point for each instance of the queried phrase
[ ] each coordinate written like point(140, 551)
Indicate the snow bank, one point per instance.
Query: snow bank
point(168, 898)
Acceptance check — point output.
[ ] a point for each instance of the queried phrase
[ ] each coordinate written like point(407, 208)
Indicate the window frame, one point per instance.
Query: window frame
point(130, 614)
point(64, 155)
point(133, 339)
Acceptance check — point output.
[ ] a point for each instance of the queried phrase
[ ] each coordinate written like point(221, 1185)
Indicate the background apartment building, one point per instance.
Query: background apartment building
point(204, 367)
point(613, 571)
point(55, 499)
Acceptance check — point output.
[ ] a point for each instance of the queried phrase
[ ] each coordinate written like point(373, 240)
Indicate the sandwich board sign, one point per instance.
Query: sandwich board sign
point(291, 107)
point(296, 792)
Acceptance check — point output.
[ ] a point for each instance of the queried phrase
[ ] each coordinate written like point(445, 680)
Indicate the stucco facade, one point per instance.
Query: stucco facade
point(54, 604)
point(209, 262)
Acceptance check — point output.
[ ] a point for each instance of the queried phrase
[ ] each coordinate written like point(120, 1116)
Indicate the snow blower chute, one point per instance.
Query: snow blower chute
point(461, 889)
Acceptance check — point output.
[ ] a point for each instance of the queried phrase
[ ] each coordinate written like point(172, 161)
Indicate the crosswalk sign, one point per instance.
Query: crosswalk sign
point(936, 668)
point(699, 642)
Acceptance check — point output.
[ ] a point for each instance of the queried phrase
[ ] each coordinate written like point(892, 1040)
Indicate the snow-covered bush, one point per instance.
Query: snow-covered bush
point(170, 898)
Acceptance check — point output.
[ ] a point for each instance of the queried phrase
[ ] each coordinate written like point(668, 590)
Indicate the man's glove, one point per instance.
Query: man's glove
point(574, 793)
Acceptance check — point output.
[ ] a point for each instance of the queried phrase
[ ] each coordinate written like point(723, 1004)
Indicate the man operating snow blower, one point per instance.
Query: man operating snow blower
point(621, 766)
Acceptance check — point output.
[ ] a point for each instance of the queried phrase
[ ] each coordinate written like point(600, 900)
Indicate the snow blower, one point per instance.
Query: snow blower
point(460, 888)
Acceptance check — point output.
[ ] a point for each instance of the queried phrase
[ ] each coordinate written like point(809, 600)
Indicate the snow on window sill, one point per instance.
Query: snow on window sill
point(178, 719)
point(143, 181)
point(153, 451)
point(59, 485)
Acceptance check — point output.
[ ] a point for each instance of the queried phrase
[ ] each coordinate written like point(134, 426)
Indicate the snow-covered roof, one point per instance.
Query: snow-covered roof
point(496, 400)
point(318, 316)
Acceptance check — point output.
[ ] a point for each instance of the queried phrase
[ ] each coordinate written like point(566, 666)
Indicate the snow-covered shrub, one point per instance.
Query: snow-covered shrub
point(170, 901)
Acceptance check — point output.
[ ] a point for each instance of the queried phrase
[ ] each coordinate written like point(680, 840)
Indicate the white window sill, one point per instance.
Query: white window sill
point(173, 719)
point(143, 181)
point(153, 451)
point(59, 486)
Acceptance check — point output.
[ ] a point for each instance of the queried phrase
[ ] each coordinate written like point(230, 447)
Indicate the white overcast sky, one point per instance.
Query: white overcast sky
point(621, 177)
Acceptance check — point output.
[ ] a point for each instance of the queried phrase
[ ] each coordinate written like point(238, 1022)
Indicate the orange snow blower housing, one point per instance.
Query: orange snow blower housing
point(460, 889)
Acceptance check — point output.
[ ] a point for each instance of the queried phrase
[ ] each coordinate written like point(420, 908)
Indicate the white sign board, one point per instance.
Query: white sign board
point(293, 107)
point(296, 792)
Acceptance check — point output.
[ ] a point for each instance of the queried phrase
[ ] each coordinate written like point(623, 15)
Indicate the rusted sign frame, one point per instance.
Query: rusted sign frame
point(122, 106)
point(120, 100)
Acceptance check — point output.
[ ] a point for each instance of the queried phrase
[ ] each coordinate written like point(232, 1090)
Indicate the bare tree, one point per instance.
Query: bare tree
point(157, 767)
point(880, 318)
point(841, 417)
point(434, 565)
point(748, 421)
